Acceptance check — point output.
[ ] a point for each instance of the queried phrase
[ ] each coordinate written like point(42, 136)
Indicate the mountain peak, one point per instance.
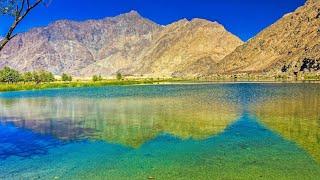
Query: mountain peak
point(132, 13)
point(204, 21)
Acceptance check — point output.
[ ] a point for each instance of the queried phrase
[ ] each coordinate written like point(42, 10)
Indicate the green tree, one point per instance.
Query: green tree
point(9, 75)
point(27, 77)
point(100, 78)
point(66, 77)
point(50, 77)
point(119, 76)
point(46, 76)
point(36, 77)
point(96, 78)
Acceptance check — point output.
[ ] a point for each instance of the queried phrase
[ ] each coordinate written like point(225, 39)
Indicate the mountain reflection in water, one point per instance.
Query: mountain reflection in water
point(295, 118)
point(126, 121)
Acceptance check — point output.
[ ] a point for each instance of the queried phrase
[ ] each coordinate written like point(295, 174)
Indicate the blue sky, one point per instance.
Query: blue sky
point(244, 18)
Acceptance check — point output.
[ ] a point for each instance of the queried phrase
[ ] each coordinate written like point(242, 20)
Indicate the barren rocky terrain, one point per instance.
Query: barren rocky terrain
point(128, 43)
point(290, 45)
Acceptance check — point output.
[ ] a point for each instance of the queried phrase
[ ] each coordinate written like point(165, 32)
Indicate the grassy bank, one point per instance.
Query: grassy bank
point(59, 84)
point(20, 86)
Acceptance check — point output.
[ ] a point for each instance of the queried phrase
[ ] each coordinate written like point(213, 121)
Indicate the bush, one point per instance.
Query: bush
point(66, 77)
point(9, 75)
point(96, 78)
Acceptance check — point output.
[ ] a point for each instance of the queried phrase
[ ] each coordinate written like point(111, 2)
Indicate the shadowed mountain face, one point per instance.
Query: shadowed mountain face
point(127, 43)
point(291, 44)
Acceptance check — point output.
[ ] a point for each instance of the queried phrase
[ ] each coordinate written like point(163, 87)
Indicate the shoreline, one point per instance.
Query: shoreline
point(4, 87)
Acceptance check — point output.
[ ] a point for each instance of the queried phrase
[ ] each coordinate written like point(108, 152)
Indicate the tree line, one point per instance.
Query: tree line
point(9, 75)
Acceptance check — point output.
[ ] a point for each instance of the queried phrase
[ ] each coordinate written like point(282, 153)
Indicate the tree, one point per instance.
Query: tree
point(99, 78)
point(45, 76)
point(18, 9)
point(66, 77)
point(96, 78)
point(36, 77)
point(27, 77)
point(9, 75)
point(119, 76)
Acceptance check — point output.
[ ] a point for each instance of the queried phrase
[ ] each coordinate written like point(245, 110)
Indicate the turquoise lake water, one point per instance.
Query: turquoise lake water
point(190, 131)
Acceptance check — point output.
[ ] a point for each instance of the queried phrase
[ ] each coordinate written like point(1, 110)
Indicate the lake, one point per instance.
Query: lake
point(178, 131)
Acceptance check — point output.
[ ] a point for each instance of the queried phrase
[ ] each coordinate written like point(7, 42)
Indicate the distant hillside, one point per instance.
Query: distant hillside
point(127, 43)
point(290, 45)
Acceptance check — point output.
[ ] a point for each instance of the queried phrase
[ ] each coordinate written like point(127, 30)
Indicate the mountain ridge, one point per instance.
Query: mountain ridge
point(124, 43)
point(288, 46)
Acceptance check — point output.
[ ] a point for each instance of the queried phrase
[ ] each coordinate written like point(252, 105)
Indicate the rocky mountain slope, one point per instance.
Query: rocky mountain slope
point(290, 45)
point(127, 43)
point(68, 46)
point(187, 48)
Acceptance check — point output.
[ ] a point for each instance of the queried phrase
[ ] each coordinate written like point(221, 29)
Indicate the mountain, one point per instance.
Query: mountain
point(127, 43)
point(68, 46)
point(186, 48)
point(289, 45)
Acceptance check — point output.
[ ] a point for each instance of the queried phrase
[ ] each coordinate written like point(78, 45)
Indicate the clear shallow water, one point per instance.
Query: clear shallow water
point(222, 131)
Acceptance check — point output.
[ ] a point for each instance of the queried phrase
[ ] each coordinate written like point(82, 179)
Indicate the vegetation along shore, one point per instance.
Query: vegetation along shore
point(12, 80)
